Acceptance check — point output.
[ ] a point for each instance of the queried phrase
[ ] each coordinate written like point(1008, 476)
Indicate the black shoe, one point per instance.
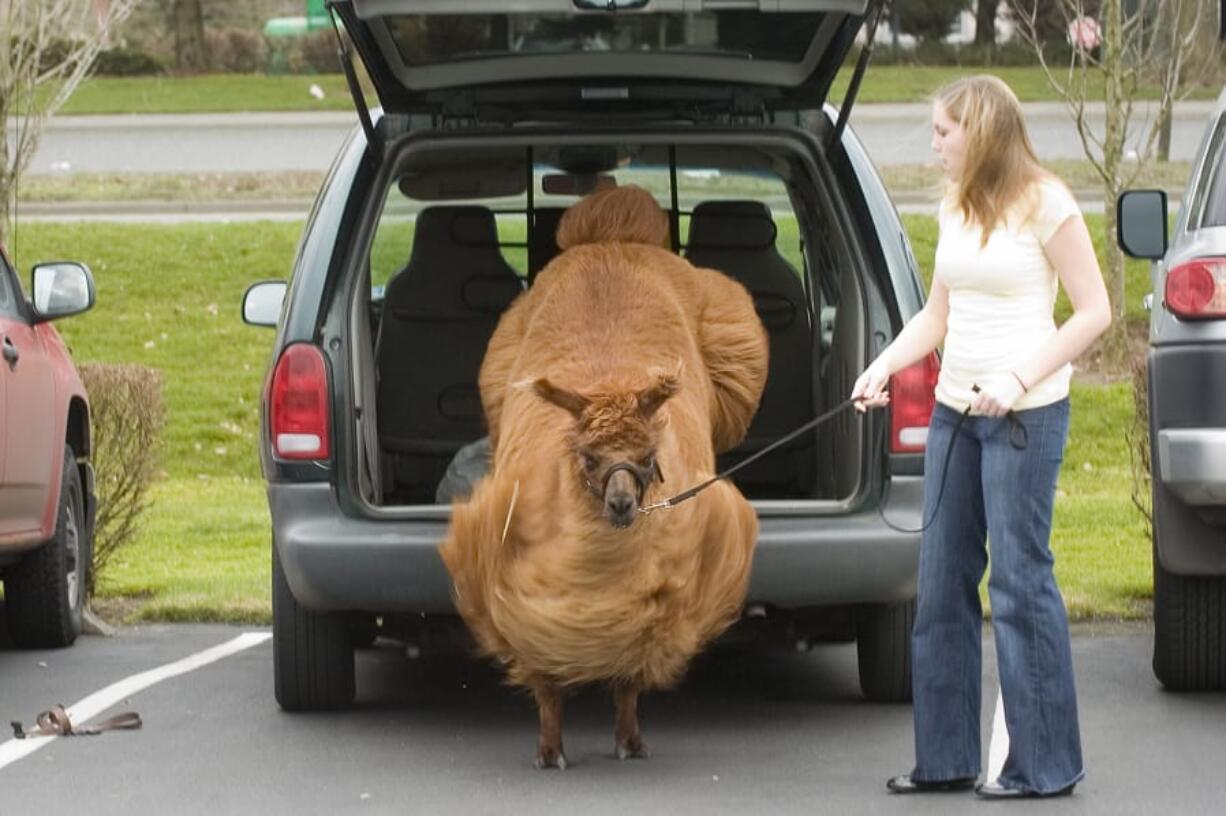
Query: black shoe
point(905, 784)
point(997, 791)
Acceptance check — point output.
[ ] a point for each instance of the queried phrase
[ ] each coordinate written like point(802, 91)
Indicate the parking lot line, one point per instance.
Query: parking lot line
point(998, 747)
point(89, 707)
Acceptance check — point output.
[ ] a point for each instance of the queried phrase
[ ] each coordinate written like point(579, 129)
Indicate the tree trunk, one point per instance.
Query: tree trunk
point(189, 36)
point(1113, 151)
point(1164, 137)
point(985, 22)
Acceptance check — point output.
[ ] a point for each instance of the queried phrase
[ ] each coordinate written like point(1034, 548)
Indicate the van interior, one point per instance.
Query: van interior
point(463, 228)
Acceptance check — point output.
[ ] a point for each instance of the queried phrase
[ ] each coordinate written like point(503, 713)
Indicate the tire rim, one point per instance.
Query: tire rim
point(72, 554)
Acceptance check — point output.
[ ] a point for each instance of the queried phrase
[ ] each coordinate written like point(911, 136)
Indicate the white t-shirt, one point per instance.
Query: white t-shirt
point(1001, 297)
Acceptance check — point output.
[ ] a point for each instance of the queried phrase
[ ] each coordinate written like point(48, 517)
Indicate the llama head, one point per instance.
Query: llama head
point(616, 437)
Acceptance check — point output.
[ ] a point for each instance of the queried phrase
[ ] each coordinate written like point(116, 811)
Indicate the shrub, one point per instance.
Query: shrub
point(1137, 438)
point(232, 50)
point(314, 53)
point(127, 419)
point(126, 62)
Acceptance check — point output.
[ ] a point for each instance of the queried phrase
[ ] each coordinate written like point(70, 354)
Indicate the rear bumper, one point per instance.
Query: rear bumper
point(1192, 464)
point(337, 562)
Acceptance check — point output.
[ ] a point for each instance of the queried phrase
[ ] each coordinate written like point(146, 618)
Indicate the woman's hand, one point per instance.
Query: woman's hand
point(997, 397)
point(869, 390)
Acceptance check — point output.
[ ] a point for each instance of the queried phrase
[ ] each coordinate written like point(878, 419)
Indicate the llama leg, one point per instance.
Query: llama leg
point(549, 699)
point(630, 743)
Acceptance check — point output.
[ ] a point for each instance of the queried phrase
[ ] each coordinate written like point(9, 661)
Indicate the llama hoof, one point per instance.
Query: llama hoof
point(633, 749)
point(549, 758)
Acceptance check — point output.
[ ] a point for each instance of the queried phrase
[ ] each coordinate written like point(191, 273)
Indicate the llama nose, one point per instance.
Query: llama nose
point(621, 504)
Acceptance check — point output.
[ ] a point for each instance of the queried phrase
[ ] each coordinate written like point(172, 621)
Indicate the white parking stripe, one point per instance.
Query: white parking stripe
point(88, 708)
point(998, 748)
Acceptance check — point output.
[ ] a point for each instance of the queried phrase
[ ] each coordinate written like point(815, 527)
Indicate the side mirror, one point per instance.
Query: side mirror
point(1140, 223)
point(61, 289)
point(262, 303)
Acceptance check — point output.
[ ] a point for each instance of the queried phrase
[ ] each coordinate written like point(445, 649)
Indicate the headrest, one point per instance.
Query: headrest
point(467, 226)
point(731, 225)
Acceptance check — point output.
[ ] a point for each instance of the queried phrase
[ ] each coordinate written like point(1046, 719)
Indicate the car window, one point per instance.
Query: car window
point(1208, 204)
point(8, 291)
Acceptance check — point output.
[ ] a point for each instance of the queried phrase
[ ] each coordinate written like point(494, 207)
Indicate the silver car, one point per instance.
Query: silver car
point(1187, 413)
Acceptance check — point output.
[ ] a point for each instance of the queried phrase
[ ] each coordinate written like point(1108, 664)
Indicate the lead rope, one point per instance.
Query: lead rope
point(673, 501)
point(1018, 438)
point(54, 722)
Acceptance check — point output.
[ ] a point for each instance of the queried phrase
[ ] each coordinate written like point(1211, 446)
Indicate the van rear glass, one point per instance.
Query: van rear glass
point(736, 34)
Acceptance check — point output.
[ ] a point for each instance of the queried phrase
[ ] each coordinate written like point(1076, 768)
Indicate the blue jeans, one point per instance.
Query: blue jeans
point(997, 491)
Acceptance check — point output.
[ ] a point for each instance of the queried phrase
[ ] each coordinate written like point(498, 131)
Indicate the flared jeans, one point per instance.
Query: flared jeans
point(1000, 487)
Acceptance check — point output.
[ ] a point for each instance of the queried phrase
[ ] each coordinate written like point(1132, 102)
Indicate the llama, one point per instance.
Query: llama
point(622, 367)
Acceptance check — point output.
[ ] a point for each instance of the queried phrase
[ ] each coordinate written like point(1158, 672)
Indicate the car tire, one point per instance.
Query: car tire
point(1189, 630)
point(45, 591)
point(312, 652)
point(883, 648)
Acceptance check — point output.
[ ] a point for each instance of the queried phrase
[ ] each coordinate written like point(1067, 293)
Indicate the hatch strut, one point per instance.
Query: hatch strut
point(351, 78)
point(854, 86)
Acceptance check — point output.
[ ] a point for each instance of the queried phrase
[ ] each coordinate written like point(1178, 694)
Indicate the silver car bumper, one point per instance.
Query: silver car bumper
point(1192, 464)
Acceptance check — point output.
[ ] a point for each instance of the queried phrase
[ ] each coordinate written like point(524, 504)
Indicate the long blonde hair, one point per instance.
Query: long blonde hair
point(1000, 168)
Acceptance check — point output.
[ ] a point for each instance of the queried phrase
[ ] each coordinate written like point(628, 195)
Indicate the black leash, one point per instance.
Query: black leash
point(673, 501)
point(1018, 438)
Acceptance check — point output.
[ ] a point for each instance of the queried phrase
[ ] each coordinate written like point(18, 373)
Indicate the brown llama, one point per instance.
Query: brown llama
point(624, 365)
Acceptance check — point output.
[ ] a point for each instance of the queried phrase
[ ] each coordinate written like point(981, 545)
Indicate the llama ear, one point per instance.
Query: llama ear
point(571, 401)
point(664, 384)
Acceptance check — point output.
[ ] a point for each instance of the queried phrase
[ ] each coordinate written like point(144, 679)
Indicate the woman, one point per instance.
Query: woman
point(1009, 234)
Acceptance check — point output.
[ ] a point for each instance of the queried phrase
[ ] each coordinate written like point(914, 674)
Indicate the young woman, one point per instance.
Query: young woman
point(1010, 233)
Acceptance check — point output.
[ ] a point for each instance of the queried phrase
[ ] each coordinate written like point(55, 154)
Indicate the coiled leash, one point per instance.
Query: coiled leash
point(54, 722)
point(1018, 438)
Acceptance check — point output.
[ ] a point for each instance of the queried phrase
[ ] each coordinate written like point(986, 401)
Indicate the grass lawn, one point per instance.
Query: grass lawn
point(168, 297)
point(260, 92)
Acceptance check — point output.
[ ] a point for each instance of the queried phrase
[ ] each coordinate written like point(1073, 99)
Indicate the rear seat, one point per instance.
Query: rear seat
point(738, 238)
point(438, 315)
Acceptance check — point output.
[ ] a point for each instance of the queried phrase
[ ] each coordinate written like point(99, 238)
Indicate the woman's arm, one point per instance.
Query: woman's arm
point(917, 340)
point(1071, 253)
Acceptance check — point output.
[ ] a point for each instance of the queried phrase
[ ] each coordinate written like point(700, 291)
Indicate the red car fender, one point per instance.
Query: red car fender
point(68, 387)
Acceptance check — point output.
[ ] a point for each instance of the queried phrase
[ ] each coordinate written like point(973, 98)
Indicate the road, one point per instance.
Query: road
point(893, 134)
point(750, 731)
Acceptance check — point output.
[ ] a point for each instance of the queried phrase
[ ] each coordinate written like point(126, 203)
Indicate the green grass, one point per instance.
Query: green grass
point(168, 297)
point(260, 92)
point(220, 93)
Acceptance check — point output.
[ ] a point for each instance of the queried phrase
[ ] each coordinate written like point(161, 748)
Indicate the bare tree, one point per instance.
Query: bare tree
point(1128, 49)
point(46, 48)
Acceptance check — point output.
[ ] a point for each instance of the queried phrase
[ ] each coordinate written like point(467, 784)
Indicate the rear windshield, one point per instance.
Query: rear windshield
point(750, 35)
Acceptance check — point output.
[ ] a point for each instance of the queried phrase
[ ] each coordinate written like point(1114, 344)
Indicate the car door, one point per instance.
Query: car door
point(460, 58)
point(28, 451)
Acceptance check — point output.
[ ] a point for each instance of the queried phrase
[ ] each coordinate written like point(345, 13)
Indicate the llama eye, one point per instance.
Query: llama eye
point(589, 461)
point(648, 462)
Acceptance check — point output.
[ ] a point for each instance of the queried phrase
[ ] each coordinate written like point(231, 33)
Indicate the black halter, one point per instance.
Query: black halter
point(643, 476)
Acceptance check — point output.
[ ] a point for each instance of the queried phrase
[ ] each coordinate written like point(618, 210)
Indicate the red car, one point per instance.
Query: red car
point(47, 500)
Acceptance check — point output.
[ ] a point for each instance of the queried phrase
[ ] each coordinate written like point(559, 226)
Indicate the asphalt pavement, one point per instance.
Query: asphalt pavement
point(251, 142)
point(751, 730)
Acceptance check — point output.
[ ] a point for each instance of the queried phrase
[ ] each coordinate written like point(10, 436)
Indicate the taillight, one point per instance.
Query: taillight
point(912, 400)
point(1197, 289)
point(298, 404)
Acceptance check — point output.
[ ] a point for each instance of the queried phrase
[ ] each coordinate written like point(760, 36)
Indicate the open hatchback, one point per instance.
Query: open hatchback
point(441, 209)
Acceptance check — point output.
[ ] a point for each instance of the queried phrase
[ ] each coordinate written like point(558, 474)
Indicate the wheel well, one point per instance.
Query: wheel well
point(78, 427)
